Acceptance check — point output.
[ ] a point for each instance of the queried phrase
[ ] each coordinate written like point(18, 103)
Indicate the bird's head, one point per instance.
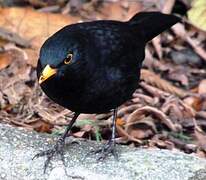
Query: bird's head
point(60, 55)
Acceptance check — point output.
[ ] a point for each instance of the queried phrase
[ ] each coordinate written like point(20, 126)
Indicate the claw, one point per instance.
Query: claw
point(109, 148)
point(57, 149)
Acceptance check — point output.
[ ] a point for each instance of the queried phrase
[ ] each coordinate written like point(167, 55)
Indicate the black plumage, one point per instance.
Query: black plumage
point(95, 66)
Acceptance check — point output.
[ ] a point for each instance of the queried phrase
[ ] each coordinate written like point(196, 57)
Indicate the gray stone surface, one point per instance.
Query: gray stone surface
point(18, 146)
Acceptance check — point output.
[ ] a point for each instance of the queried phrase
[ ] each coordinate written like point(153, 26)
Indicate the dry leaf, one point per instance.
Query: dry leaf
point(120, 122)
point(87, 116)
point(160, 144)
point(9, 36)
point(116, 10)
point(155, 80)
point(180, 77)
point(201, 137)
point(42, 126)
point(123, 133)
point(194, 102)
point(168, 6)
point(201, 153)
point(141, 133)
point(137, 115)
point(5, 60)
point(180, 31)
point(33, 25)
point(157, 45)
point(141, 129)
point(79, 134)
point(201, 114)
point(202, 87)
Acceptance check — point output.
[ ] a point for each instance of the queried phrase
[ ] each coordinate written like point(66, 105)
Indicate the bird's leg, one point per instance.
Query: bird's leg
point(58, 147)
point(110, 146)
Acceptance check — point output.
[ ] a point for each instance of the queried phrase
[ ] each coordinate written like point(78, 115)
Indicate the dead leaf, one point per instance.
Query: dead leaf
point(141, 129)
point(136, 116)
point(132, 8)
point(173, 110)
point(123, 133)
point(128, 109)
point(9, 36)
point(201, 114)
point(79, 134)
point(141, 133)
point(160, 144)
point(119, 10)
point(157, 45)
point(179, 77)
point(42, 126)
point(87, 128)
point(168, 6)
point(202, 87)
point(154, 79)
point(180, 31)
point(201, 137)
point(137, 97)
point(86, 116)
point(40, 3)
point(5, 60)
point(201, 153)
point(33, 25)
point(120, 122)
point(194, 102)
point(155, 92)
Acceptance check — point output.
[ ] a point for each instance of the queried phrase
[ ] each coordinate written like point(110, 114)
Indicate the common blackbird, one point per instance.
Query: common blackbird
point(94, 67)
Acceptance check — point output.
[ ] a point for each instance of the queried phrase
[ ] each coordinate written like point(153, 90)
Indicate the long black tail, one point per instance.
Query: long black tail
point(150, 24)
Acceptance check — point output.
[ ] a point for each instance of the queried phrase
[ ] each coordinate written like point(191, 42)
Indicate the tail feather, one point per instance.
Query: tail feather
point(150, 24)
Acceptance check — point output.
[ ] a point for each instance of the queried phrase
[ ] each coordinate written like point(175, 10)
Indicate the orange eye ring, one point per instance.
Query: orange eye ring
point(68, 58)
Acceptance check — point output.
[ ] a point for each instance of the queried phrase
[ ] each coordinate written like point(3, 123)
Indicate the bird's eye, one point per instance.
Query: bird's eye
point(68, 58)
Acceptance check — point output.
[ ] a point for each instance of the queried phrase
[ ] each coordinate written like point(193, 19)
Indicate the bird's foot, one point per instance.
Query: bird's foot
point(58, 149)
point(108, 149)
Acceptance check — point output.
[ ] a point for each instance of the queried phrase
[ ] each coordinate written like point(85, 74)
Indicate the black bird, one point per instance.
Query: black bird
point(94, 67)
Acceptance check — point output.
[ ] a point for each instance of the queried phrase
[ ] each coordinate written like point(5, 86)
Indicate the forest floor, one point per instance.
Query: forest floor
point(167, 111)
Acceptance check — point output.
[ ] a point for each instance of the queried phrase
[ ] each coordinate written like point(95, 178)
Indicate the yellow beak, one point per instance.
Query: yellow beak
point(47, 73)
